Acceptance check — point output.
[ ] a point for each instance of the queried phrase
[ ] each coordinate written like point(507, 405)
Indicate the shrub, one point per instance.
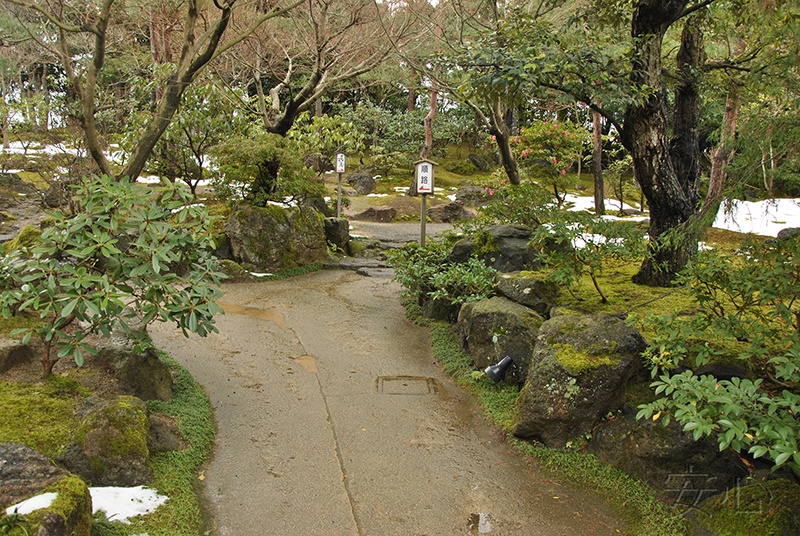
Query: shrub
point(427, 274)
point(749, 313)
point(128, 252)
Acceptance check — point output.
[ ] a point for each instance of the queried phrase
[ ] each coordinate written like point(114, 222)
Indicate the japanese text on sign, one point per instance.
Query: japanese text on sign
point(340, 162)
point(425, 178)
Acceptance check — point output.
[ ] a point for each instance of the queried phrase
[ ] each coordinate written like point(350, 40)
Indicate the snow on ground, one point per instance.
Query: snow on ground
point(119, 504)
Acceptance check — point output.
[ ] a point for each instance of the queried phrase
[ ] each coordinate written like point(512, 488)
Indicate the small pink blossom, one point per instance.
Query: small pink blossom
point(554, 160)
point(563, 171)
point(491, 192)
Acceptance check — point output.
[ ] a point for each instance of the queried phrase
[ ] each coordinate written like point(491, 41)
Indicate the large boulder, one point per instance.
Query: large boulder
point(752, 508)
point(363, 183)
point(478, 161)
point(491, 329)
point(377, 214)
point(661, 454)
point(142, 374)
point(472, 196)
point(580, 369)
point(275, 238)
point(503, 247)
point(13, 353)
point(24, 472)
point(527, 289)
point(110, 445)
point(337, 232)
point(450, 212)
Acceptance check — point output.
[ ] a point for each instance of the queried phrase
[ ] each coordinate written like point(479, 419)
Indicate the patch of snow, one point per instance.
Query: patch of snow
point(377, 195)
point(764, 218)
point(119, 504)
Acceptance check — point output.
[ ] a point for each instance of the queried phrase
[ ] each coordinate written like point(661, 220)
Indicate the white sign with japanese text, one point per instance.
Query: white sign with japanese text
point(425, 178)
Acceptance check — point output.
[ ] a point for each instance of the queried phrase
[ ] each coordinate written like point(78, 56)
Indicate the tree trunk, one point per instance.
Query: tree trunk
point(722, 154)
point(597, 162)
point(685, 142)
point(426, 149)
point(499, 129)
point(645, 135)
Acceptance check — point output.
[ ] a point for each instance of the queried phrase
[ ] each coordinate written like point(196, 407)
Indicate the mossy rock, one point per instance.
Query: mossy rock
point(70, 513)
point(110, 445)
point(28, 238)
point(762, 508)
point(579, 372)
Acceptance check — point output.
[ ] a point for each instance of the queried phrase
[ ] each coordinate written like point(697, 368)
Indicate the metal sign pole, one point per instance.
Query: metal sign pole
point(339, 198)
point(341, 162)
point(422, 220)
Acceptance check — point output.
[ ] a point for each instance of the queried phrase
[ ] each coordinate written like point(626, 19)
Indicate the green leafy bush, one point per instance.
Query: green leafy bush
point(577, 244)
point(547, 150)
point(127, 252)
point(326, 135)
point(524, 204)
point(263, 168)
point(428, 274)
point(749, 313)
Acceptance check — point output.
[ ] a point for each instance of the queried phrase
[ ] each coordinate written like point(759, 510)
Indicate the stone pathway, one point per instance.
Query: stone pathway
point(334, 419)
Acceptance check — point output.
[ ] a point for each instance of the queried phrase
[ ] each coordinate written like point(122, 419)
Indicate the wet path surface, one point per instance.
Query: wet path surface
point(334, 420)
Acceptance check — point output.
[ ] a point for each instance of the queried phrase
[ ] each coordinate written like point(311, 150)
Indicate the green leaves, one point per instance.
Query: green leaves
point(113, 260)
point(748, 311)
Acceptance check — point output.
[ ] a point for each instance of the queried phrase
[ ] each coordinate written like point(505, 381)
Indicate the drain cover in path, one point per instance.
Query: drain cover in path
point(406, 385)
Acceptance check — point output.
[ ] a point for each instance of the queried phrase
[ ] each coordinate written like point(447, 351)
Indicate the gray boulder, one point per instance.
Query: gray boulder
point(450, 212)
point(142, 375)
point(503, 247)
point(788, 233)
point(13, 353)
point(24, 472)
point(580, 369)
point(527, 289)
point(275, 238)
point(363, 183)
point(488, 330)
point(472, 196)
point(349, 192)
point(110, 445)
point(752, 509)
point(664, 456)
point(337, 232)
point(377, 214)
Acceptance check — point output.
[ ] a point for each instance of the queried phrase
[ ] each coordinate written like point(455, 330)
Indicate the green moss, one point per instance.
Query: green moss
point(28, 237)
point(579, 361)
point(767, 509)
point(485, 243)
point(73, 500)
point(40, 416)
point(126, 428)
point(20, 321)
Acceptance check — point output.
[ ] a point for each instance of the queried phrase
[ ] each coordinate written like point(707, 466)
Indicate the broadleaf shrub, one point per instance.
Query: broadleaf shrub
point(749, 313)
point(426, 273)
point(127, 251)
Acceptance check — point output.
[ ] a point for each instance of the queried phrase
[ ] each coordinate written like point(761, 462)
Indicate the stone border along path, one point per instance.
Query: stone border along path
point(334, 420)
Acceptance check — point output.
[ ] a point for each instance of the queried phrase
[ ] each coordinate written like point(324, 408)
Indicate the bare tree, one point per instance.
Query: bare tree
point(80, 38)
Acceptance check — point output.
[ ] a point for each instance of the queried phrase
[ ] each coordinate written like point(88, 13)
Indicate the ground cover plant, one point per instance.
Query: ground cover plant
point(42, 417)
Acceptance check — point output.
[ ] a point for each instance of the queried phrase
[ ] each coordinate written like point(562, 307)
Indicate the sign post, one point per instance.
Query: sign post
point(424, 169)
point(341, 161)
